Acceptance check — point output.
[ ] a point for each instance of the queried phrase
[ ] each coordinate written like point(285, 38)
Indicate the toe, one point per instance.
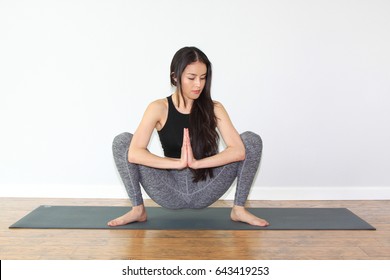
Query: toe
point(113, 223)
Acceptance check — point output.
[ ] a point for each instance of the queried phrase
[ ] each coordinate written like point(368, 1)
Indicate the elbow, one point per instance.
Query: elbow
point(136, 155)
point(241, 154)
point(130, 157)
point(237, 153)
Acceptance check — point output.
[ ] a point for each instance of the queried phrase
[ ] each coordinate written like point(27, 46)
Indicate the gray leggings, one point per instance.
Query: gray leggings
point(174, 189)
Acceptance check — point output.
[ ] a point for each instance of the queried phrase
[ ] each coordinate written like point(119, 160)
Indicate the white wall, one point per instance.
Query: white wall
point(311, 77)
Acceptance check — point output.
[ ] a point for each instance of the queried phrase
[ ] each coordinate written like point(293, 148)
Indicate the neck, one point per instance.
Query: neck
point(184, 103)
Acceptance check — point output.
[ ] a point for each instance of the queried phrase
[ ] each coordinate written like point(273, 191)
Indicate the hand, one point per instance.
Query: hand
point(187, 157)
point(183, 162)
point(191, 161)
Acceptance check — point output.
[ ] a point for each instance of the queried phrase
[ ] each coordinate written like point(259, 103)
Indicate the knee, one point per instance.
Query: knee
point(252, 138)
point(121, 140)
point(252, 141)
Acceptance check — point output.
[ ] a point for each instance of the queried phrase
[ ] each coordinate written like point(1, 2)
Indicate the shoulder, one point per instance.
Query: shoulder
point(156, 109)
point(158, 106)
point(223, 119)
point(217, 103)
point(219, 109)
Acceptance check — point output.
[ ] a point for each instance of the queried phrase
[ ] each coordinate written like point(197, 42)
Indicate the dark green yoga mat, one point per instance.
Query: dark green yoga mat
point(96, 217)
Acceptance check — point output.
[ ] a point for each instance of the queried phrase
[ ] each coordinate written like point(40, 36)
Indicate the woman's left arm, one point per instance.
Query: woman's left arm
point(235, 149)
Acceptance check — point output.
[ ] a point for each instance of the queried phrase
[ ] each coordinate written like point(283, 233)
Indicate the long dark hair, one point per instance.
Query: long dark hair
point(202, 120)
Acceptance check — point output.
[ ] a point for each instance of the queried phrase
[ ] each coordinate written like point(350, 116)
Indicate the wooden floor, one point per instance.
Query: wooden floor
point(211, 244)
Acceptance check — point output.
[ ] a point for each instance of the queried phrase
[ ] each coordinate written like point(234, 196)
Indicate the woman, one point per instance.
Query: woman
point(193, 174)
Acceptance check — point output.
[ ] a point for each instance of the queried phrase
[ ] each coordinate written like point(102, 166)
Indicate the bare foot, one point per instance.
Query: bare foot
point(240, 214)
point(136, 214)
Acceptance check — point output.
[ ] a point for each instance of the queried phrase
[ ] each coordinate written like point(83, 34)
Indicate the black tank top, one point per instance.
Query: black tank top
point(171, 135)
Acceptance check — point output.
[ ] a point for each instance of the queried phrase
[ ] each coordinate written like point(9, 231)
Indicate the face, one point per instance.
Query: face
point(193, 79)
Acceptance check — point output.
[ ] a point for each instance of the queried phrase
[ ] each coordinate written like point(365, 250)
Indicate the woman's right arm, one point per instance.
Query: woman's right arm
point(138, 152)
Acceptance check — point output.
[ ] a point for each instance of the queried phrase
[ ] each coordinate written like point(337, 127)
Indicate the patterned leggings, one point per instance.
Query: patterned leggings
point(174, 189)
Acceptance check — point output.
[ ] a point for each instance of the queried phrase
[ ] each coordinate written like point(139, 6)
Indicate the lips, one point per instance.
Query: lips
point(195, 91)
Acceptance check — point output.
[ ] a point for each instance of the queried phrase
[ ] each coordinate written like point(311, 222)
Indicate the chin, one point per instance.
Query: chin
point(195, 95)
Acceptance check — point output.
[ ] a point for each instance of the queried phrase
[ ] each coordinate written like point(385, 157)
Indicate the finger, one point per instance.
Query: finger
point(188, 135)
point(185, 135)
point(184, 138)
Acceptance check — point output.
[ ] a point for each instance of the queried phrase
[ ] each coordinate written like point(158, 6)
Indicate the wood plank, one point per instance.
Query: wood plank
point(377, 252)
point(196, 244)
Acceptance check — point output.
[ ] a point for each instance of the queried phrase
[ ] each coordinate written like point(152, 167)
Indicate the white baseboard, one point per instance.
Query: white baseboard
point(257, 192)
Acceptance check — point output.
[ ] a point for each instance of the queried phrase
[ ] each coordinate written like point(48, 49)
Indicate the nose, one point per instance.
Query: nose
point(197, 82)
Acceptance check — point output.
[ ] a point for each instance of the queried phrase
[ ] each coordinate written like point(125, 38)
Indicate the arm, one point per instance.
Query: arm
point(235, 149)
point(138, 152)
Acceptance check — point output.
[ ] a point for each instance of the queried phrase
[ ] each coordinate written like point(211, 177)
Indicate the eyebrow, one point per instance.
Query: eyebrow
point(196, 75)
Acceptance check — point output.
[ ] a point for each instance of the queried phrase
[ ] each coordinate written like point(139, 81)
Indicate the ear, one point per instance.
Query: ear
point(173, 78)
